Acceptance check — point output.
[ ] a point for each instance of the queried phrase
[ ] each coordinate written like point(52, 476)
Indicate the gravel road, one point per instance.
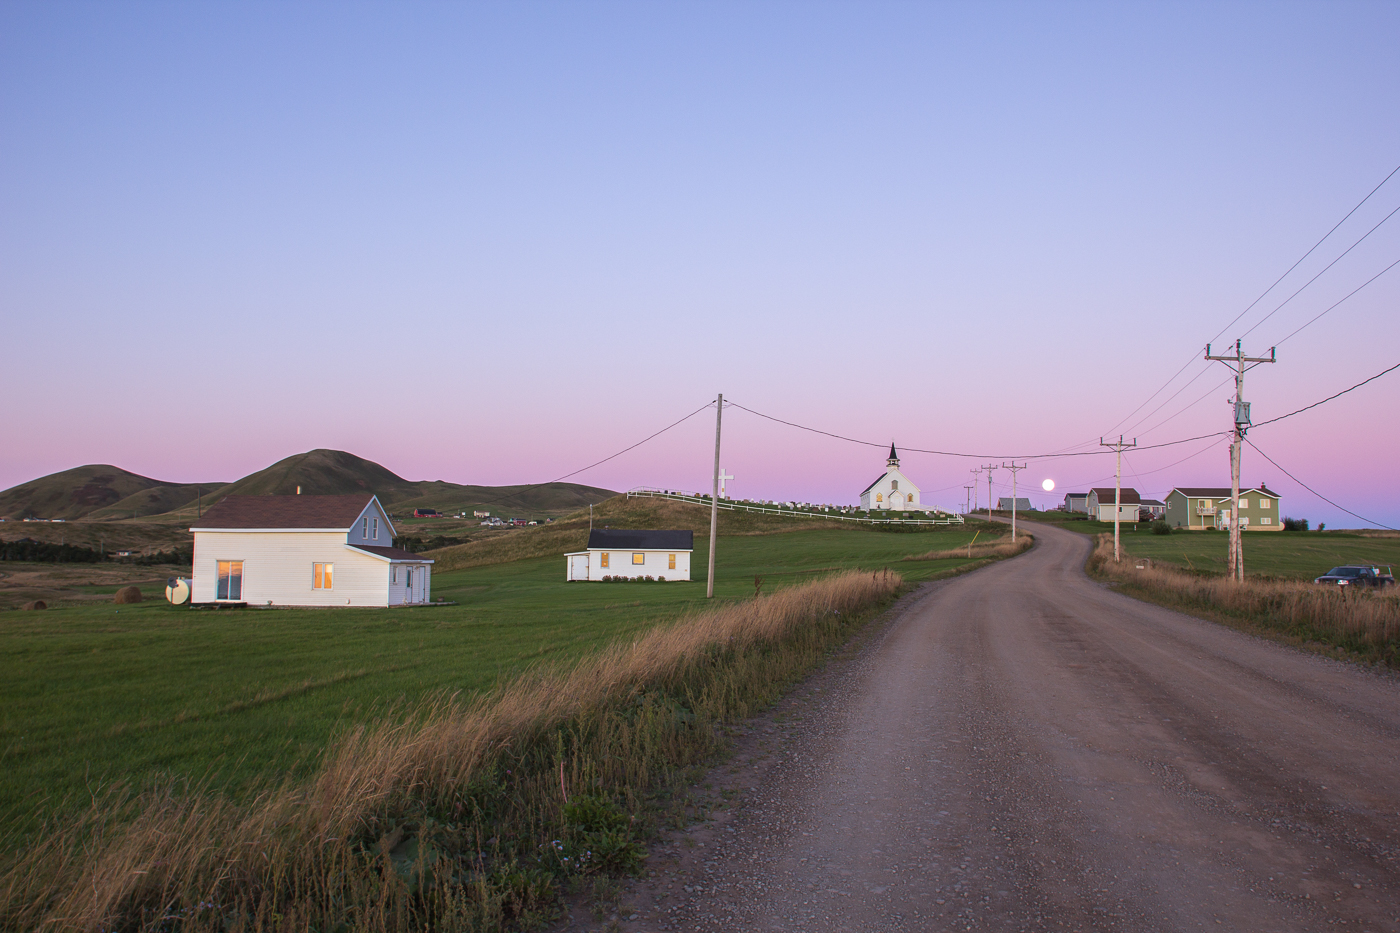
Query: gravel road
point(1025, 749)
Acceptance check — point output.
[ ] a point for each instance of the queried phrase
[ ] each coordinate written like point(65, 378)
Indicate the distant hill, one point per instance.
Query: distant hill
point(108, 493)
point(73, 493)
point(157, 501)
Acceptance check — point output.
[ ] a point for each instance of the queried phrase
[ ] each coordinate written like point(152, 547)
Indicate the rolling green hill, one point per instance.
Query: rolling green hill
point(108, 494)
point(74, 493)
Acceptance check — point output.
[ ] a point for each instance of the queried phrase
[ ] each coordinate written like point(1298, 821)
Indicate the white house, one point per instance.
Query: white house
point(304, 551)
point(1100, 504)
point(626, 552)
point(892, 490)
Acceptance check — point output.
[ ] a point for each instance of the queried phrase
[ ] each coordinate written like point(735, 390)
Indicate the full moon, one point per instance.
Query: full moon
point(1048, 485)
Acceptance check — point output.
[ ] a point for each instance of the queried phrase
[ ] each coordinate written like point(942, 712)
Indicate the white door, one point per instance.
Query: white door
point(578, 567)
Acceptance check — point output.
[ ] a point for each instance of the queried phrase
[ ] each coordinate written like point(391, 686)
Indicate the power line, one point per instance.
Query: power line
point(1307, 254)
point(1295, 479)
point(1330, 397)
point(1339, 301)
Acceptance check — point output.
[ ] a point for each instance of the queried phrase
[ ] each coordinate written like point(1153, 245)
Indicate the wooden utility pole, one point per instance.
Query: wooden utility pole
point(989, 468)
point(1237, 361)
point(1117, 488)
point(976, 475)
point(714, 501)
point(967, 508)
point(1013, 468)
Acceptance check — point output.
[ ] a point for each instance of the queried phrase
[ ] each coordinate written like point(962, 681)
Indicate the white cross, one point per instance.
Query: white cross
point(722, 477)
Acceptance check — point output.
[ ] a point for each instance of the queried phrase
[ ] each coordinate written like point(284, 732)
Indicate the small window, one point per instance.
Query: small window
point(393, 574)
point(639, 558)
point(230, 580)
point(321, 575)
point(894, 484)
point(879, 497)
point(1264, 503)
point(1244, 503)
point(911, 497)
point(364, 527)
point(670, 562)
point(605, 558)
point(1266, 521)
point(375, 534)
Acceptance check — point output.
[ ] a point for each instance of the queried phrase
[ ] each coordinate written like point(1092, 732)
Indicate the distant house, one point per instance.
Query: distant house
point(893, 490)
point(1004, 504)
point(1076, 502)
point(620, 552)
point(1100, 504)
point(1196, 508)
point(304, 551)
point(426, 513)
point(1157, 507)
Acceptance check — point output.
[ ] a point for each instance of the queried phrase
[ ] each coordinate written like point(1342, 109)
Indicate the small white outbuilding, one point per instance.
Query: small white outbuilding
point(629, 553)
point(304, 551)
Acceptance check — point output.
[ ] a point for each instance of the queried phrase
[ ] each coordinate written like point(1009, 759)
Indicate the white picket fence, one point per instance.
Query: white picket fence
point(695, 498)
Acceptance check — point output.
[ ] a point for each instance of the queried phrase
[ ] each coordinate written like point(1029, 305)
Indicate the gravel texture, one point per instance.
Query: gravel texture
point(1022, 748)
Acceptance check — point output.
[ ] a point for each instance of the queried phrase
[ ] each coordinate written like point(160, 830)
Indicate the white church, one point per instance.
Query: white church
point(892, 491)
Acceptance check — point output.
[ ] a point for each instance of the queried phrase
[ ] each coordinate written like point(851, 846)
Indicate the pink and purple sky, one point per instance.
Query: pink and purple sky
point(494, 243)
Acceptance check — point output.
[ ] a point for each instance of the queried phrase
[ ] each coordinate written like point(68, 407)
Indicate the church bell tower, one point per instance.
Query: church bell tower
point(894, 457)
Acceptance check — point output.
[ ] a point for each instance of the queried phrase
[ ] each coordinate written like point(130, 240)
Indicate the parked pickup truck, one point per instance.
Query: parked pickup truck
point(1357, 575)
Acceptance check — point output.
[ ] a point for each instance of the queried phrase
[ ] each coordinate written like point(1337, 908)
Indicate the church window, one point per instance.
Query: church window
point(894, 484)
point(879, 497)
point(911, 497)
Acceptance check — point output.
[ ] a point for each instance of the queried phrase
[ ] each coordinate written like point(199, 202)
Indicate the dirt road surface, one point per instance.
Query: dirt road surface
point(1024, 749)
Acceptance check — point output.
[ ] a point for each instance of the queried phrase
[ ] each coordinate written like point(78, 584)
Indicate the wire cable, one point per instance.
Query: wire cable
point(1307, 254)
point(1319, 275)
point(1330, 397)
point(1295, 479)
point(1339, 301)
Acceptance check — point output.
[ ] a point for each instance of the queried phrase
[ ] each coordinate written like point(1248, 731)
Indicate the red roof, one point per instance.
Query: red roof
point(337, 512)
point(390, 553)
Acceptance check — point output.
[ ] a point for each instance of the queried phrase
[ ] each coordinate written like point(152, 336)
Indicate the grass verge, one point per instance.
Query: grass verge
point(457, 817)
point(1362, 625)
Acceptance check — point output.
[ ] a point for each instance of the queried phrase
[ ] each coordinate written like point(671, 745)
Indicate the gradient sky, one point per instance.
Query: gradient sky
point(495, 243)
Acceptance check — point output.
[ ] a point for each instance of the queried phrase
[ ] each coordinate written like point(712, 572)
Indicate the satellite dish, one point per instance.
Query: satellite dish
point(177, 591)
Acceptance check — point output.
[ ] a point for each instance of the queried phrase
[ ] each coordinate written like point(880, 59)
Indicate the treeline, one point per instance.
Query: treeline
point(27, 549)
point(420, 543)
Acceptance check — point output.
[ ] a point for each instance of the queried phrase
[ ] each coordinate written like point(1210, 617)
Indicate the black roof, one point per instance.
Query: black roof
point(624, 539)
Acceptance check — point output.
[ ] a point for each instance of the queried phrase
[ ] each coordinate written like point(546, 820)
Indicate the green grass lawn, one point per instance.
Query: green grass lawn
point(95, 694)
point(1298, 555)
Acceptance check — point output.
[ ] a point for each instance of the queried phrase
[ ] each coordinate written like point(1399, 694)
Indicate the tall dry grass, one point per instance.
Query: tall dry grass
point(1364, 622)
point(457, 817)
point(996, 547)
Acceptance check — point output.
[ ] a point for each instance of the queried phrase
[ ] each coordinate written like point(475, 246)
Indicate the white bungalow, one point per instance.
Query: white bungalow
point(626, 552)
point(892, 490)
point(304, 551)
point(1100, 504)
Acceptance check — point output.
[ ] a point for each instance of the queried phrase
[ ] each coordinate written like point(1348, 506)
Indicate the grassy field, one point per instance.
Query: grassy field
point(91, 695)
point(1291, 555)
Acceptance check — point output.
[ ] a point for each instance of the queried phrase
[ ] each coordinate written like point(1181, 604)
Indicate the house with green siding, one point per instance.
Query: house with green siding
point(1197, 508)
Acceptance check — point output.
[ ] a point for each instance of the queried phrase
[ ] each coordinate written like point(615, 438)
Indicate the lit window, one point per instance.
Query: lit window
point(230, 580)
point(911, 497)
point(639, 558)
point(321, 576)
point(1244, 503)
point(605, 558)
point(1264, 503)
point(670, 562)
point(879, 497)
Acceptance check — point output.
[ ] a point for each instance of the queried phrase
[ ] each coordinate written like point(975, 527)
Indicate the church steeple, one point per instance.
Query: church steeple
point(894, 457)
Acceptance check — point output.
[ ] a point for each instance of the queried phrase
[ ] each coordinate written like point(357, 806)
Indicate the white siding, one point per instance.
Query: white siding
point(885, 487)
point(398, 583)
point(277, 567)
point(656, 564)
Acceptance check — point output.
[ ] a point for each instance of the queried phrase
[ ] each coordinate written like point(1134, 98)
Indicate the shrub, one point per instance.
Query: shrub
point(1160, 527)
point(1295, 524)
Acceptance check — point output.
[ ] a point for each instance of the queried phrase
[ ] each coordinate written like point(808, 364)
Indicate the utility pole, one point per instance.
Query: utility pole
point(1013, 468)
point(1117, 488)
point(989, 468)
point(976, 475)
point(967, 508)
point(1237, 361)
point(714, 501)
